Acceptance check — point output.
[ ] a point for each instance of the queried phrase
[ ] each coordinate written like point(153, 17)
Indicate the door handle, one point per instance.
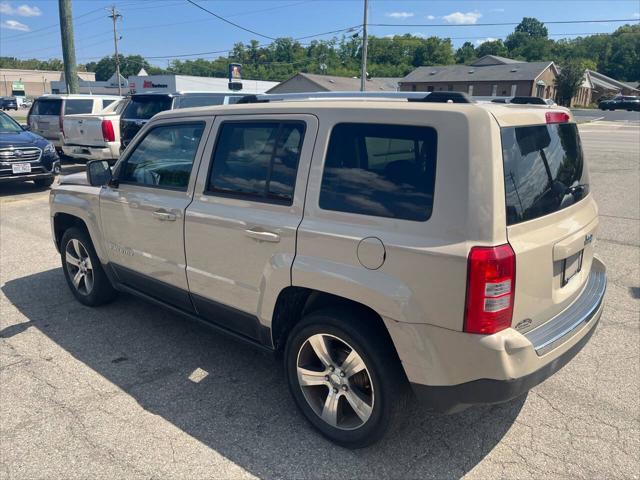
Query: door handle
point(164, 216)
point(262, 235)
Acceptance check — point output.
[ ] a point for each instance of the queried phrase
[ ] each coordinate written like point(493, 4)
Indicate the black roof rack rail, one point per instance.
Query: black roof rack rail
point(439, 97)
point(444, 97)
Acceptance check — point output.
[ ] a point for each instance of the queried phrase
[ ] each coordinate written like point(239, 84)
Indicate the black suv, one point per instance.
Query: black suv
point(143, 106)
point(25, 156)
point(8, 103)
point(622, 102)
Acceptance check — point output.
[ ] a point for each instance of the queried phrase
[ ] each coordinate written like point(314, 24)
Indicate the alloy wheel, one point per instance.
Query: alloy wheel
point(335, 381)
point(79, 266)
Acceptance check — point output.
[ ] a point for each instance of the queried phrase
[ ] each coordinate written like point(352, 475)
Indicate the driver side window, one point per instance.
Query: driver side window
point(164, 157)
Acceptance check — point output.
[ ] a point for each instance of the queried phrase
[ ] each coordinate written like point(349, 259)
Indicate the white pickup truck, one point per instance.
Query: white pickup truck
point(94, 136)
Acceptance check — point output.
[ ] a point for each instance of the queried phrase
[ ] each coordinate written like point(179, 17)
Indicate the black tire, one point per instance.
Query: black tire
point(43, 182)
point(387, 379)
point(101, 290)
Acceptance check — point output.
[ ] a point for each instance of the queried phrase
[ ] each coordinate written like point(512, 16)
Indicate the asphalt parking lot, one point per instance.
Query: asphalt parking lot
point(132, 391)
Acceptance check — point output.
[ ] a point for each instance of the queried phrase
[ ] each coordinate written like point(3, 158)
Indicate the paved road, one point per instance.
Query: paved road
point(615, 116)
point(132, 391)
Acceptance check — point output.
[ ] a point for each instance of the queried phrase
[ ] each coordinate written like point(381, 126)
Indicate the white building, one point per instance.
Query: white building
point(96, 87)
point(187, 83)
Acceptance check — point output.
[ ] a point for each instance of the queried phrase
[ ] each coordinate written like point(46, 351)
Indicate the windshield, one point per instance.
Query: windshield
point(543, 170)
point(145, 107)
point(8, 125)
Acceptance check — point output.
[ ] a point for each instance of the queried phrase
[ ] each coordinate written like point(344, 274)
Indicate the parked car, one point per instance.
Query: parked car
point(9, 103)
point(46, 116)
point(26, 103)
point(94, 136)
point(381, 246)
point(621, 102)
point(25, 156)
point(143, 106)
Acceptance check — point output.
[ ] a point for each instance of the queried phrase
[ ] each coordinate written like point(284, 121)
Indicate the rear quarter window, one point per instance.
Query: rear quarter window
point(73, 107)
point(380, 170)
point(47, 107)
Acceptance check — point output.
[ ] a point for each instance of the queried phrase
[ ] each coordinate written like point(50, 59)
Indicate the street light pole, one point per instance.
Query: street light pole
point(115, 16)
point(365, 41)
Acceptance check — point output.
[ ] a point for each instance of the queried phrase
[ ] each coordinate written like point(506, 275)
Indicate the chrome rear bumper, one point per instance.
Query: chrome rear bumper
point(558, 330)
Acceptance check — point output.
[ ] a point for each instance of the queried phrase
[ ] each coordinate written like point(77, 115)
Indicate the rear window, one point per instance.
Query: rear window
point(72, 107)
point(143, 108)
point(47, 107)
point(380, 170)
point(200, 100)
point(543, 170)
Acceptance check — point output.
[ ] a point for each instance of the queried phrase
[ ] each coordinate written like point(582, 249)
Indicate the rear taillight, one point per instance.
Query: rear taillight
point(107, 131)
point(491, 278)
point(557, 117)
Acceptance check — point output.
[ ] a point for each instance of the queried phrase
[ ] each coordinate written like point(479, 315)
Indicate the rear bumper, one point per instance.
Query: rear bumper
point(110, 152)
point(453, 370)
point(454, 398)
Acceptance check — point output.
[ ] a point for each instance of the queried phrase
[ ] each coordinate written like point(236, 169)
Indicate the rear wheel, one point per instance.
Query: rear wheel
point(83, 270)
point(345, 377)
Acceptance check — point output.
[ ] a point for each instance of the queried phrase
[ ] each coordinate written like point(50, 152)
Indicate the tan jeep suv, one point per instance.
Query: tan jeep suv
point(385, 245)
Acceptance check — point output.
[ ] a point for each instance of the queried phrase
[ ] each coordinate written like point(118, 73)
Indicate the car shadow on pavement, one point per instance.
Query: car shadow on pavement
point(234, 398)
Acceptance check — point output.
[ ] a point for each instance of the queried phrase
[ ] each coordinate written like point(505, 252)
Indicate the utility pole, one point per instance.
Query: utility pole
point(68, 47)
point(115, 16)
point(365, 41)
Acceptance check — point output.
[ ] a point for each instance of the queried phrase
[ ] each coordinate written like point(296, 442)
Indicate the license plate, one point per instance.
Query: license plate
point(21, 168)
point(572, 265)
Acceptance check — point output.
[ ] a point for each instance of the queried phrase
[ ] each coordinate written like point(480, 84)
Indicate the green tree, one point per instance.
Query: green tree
point(129, 65)
point(433, 51)
point(530, 41)
point(532, 27)
point(569, 80)
point(493, 47)
point(466, 53)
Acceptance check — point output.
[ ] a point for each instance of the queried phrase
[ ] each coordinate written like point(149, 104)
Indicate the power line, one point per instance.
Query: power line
point(229, 21)
point(497, 24)
point(48, 27)
point(259, 45)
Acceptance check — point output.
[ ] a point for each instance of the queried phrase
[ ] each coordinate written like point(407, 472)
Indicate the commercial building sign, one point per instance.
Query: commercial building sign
point(235, 76)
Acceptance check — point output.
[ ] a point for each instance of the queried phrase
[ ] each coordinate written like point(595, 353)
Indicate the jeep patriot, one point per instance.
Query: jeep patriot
point(386, 248)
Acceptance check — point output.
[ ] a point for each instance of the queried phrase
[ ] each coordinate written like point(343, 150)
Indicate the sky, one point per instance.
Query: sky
point(170, 28)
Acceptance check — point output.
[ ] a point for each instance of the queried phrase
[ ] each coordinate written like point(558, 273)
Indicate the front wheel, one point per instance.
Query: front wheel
point(83, 270)
point(43, 182)
point(345, 377)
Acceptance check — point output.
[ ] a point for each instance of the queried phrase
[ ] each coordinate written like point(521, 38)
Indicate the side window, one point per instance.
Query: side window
point(106, 103)
point(380, 170)
point(164, 157)
point(201, 100)
point(46, 107)
point(258, 159)
point(73, 107)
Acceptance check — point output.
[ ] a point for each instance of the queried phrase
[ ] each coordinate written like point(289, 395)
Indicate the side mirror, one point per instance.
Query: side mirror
point(25, 126)
point(99, 173)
